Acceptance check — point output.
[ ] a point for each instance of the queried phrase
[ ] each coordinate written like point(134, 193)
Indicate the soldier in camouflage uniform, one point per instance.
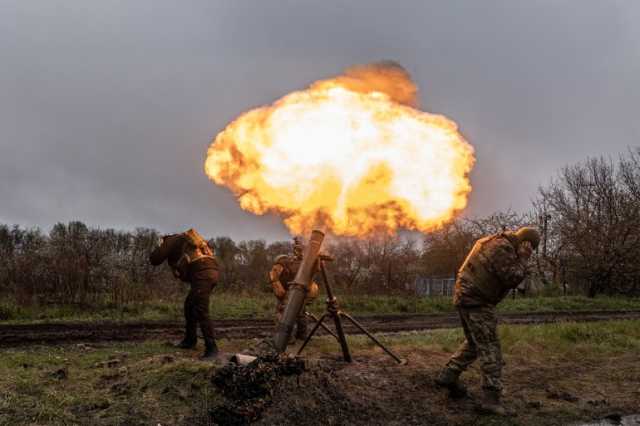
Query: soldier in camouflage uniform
point(193, 261)
point(282, 273)
point(495, 265)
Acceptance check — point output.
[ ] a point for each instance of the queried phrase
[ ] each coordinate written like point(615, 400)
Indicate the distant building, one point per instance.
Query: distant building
point(434, 286)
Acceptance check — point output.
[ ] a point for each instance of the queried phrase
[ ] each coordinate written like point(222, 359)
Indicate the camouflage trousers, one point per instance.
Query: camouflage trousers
point(301, 321)
point(480, 326)
point(196, 312)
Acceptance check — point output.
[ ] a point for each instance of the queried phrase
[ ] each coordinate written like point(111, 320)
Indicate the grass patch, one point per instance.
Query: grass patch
point(234, 306)
point(567, 340)
point(143, 384)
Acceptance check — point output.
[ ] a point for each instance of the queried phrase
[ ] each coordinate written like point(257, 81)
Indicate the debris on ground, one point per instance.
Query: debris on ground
point(248, 390)
point(60, 374)
point(84, 347)
point(113, 361)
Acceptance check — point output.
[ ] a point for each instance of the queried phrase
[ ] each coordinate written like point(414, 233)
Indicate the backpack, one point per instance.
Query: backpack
point(195, 247)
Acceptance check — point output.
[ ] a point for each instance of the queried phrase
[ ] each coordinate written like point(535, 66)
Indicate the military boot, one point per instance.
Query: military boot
point(210, 350)
point(450, 379)
point(491, 404)
point(185, 344)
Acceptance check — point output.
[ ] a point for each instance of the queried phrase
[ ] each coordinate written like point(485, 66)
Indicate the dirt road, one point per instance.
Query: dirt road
point(60, 333)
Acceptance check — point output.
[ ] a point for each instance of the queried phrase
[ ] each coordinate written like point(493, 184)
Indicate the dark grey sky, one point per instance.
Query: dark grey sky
point(107, 108)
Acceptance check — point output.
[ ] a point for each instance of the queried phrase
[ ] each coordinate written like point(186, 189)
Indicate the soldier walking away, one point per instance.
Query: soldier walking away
point(192, 260)
point(495, 265)
point(281, 275)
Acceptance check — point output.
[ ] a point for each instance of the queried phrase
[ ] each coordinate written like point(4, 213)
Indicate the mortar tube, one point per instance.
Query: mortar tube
point(298, 292)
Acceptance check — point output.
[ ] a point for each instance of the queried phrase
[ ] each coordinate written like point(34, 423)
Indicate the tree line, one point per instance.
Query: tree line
point(588, 215)
point(77, 264)
point(589, 219)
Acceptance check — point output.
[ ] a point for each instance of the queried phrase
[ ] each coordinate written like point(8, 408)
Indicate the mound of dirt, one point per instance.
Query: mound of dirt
point(248, 390)
point(287, 391)
point(373, 390)
point(319, 396)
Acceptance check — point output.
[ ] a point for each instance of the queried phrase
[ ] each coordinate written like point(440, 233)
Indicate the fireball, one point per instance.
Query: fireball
point(351, 155)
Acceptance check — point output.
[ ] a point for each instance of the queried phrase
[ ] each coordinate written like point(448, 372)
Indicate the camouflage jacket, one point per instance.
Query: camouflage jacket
point(491, 269)
point(173, 250)
point(282, 273)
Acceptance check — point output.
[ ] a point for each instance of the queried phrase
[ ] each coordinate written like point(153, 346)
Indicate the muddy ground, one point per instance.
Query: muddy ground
point(375, 391)
point(61, 333)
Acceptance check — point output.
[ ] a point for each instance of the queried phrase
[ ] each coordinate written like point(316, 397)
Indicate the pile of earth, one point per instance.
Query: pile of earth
point(288, 390)
point(249, 389)
point(374, 390)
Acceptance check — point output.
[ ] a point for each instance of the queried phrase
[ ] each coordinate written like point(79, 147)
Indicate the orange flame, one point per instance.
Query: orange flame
point(346, 156)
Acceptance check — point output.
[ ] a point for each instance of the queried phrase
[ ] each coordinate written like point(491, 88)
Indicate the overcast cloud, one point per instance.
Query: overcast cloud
point(107, 108)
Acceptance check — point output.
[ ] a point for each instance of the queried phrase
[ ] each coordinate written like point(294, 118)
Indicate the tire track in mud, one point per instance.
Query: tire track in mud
point(61, 333)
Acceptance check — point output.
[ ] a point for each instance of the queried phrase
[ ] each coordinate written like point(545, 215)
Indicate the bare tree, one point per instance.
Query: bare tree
point(445, 249)
point(592, 216)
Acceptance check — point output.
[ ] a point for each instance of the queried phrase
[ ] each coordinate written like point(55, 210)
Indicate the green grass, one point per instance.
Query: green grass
point(565, 339)
point(569, 303)
point(231, 306)
point(143, 388)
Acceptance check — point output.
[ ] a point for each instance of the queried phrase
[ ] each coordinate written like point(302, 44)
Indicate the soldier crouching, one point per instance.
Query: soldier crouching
point(192, 261)
point(495, 265)
point(281, 275)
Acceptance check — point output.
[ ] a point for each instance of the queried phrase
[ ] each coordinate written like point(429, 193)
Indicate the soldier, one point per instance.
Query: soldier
point(495, 265)
point(282, 273)
point(192, 260)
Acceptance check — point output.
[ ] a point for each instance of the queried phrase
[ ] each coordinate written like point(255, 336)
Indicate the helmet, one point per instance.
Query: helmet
point(281, 258)
point(528, 233)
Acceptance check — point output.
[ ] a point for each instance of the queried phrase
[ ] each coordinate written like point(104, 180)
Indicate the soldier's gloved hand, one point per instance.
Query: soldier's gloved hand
point(279, 290)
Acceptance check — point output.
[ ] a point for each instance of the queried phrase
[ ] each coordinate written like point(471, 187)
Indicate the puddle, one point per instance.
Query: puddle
point(633, 420)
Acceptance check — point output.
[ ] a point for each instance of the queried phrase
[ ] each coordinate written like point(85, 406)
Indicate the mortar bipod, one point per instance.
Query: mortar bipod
point(334, 312)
